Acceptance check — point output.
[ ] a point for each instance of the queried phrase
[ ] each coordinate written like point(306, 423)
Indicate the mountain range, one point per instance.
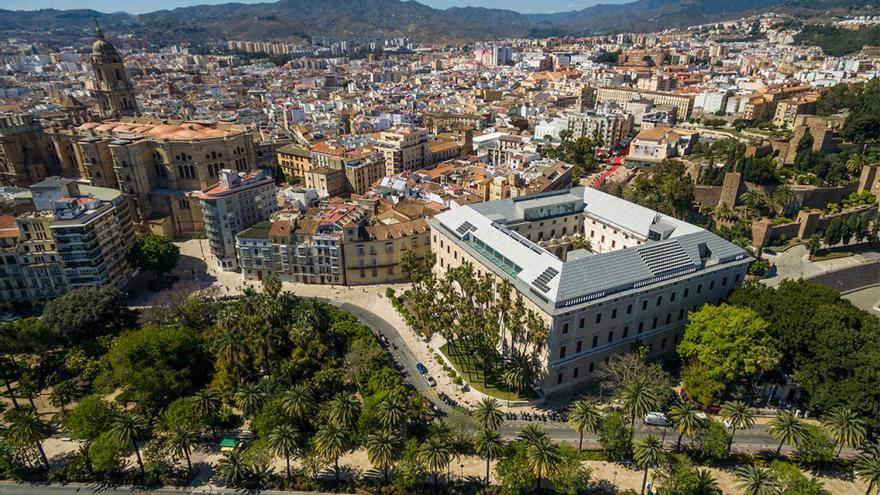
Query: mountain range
point(365, 19)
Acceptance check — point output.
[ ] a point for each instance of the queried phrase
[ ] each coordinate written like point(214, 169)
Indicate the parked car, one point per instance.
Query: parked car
point(657, 419)
point(421, 368)
point(429, 380)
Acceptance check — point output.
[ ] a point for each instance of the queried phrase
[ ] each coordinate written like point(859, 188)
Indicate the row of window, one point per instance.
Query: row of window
point(659, 302)
point(611, 333)
point(575, 372)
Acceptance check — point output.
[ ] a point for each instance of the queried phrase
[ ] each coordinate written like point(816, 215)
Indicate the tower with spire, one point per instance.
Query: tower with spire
point(112, 88)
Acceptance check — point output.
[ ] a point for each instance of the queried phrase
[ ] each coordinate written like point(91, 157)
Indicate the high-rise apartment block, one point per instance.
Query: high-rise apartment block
point(235, 203)
point(78, 236)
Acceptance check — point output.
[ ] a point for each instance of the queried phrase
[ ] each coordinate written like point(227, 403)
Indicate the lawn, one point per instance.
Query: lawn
point(466, 367)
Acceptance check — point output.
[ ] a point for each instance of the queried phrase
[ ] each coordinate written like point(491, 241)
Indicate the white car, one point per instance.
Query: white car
point(429, 380)
point(657, 419)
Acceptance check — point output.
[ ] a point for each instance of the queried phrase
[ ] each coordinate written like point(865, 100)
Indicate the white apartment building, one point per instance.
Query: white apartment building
point(235, 203)
point(644, 273)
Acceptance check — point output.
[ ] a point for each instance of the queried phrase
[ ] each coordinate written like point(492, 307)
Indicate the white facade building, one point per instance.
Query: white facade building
point(235, 203)
point(643, 274)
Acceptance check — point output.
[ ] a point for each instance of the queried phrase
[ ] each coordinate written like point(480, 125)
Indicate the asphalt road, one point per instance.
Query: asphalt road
point(751, 440)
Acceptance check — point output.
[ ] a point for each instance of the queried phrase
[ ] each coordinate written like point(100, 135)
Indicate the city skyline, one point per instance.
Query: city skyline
point(135, 7)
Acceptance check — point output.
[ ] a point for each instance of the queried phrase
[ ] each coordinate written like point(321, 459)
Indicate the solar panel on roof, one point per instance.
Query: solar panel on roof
point(663, 257)
point(464, 227)
point(545, 277)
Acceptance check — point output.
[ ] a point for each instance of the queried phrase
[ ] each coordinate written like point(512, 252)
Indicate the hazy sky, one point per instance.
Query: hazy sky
point(140, 6)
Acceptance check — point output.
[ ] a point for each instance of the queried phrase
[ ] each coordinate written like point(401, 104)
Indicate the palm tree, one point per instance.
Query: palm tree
point(845, 427)
point(249, 397)
point(381, 450)
point(283, 440)
point(543, 457)
point(754, 199)
point(331, 443)
point(233, 468)
point(648, 453)
point(391, 412)
point(265, 337)
point(126, 428)
point(487, 414)
point(781, 198)
point(854, 164)
point(705, 484)
point(516, 373)
point(584, 415)
point(724, 213)
point(344, 409)
point(488, 444)
point(229, 343)
point(638, 398)
point(297, 402)
point(182, 440)
point(685, 419)
point(868, 468)
point(532, 434)
point(786, 428)
point(207, 406)
point(736, 415)
point(435, 454)
point(27, 430)
point(757, 480)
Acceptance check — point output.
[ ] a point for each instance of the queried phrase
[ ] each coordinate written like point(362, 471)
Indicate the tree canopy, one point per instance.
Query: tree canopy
point(154, 253)
point(730, 343)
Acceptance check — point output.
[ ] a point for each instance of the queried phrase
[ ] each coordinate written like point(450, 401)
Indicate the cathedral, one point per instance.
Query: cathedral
point(161, 165)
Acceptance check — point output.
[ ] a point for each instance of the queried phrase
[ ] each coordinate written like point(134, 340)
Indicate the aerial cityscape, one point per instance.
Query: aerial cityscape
point(380, 246)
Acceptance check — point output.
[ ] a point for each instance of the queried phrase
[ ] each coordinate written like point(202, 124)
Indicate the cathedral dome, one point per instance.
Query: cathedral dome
point(102, 47)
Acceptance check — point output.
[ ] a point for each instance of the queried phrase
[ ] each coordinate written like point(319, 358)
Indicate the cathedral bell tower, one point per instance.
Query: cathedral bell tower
point(112, 88)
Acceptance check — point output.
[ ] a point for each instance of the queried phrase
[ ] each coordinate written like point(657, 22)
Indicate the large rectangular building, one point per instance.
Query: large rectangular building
point(642, 274)
point(682, 104)
point(78, 236)
point(233, 204)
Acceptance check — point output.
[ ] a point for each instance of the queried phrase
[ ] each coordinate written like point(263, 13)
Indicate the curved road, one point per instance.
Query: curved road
point(751, 440)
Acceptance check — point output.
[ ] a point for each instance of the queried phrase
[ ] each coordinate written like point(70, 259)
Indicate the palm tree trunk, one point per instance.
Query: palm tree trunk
point(839, 450)
point(9, 391)
point(386, 474)
point(436, 481)
point(581, 442)
point(336, 468)
point(678, 443)
point(287, 458)
point(779, 449)
point(487, 470)
point(189, 464)
point(730, 443)
point(31, 400)
point(43, 454)
point(137, 452)
point(538, 482)
point(644, 481)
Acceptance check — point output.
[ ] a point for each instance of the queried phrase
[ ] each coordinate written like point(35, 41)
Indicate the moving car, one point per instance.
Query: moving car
point(421, 368)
